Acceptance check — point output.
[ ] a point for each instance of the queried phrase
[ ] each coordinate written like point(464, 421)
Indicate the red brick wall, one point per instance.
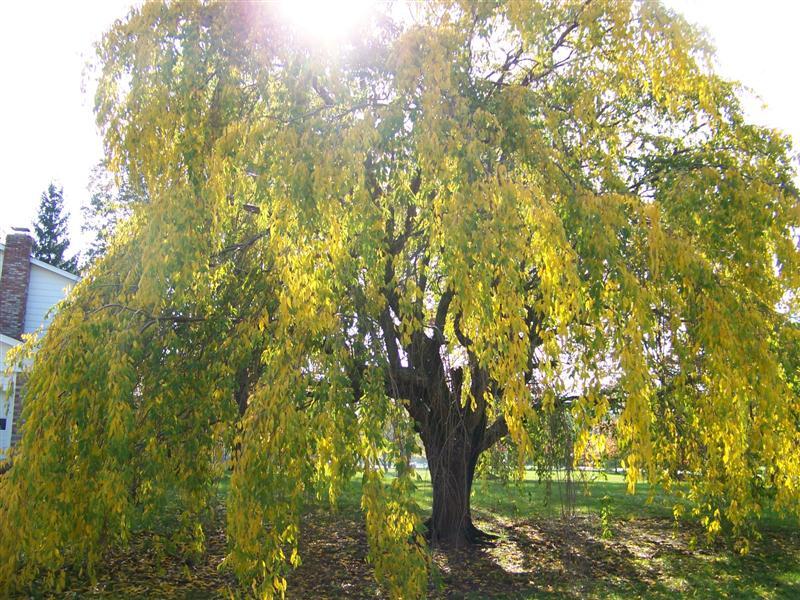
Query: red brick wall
point(16, 428)
point(14, 281)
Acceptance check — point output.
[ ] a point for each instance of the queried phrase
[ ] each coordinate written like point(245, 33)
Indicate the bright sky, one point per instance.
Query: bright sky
point(48, 130)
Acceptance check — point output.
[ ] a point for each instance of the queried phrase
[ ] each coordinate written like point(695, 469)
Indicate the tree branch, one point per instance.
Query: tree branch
point(495, 432)
point(462, 339)
point(441, 311)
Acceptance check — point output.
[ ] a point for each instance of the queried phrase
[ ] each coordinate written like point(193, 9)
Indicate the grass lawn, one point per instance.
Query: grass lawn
point(615, 546)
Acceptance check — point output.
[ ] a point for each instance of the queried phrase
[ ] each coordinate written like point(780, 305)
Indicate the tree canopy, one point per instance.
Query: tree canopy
point(453, 221)
point(50, 228)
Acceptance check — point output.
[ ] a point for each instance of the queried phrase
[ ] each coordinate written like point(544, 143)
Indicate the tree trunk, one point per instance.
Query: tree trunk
point(452, 446)
point(452, 467)
point(451, 431)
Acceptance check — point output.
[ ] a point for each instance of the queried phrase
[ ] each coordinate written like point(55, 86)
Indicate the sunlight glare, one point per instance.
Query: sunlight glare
point(325, 20)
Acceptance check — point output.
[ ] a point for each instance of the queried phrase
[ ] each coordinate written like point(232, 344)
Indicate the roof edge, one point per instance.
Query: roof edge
point(48, 267)
point(9, 341)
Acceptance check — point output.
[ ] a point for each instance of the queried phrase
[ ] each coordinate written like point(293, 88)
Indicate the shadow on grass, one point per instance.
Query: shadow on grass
point(559, 558)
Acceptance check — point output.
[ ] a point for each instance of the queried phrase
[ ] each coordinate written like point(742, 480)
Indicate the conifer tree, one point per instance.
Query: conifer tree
point(51, 241)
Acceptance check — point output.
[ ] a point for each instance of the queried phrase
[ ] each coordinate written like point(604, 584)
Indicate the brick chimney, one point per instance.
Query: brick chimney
point(14, 281)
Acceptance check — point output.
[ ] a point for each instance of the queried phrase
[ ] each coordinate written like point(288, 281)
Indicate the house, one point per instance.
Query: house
point(29, 288)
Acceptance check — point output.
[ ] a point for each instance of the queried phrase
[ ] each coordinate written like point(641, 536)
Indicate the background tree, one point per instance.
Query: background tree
point(50, 231)
point(110, 204)
point(457, 219)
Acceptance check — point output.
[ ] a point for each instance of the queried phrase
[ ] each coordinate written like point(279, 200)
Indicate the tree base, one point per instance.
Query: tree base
point(467, 536)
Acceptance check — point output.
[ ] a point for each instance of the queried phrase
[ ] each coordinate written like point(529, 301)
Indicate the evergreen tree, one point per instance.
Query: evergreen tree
point(51, 241)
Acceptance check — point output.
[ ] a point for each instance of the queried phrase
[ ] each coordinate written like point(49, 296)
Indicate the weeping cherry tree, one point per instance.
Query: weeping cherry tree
point(462, 215)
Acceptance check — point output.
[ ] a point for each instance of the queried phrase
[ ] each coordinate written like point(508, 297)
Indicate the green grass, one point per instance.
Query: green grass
point(532, 497)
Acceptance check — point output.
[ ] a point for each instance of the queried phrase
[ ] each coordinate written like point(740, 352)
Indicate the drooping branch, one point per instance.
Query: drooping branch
point(150, 319)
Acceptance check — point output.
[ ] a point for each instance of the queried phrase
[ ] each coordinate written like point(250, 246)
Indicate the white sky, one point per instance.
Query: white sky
point(48, 131)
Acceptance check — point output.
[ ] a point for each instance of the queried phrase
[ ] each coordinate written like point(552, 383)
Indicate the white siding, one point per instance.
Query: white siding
point(6, 407)
point(45, 290)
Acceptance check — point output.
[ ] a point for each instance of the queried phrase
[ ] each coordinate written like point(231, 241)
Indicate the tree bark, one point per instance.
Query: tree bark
point(452, 465)
point(453, 439)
